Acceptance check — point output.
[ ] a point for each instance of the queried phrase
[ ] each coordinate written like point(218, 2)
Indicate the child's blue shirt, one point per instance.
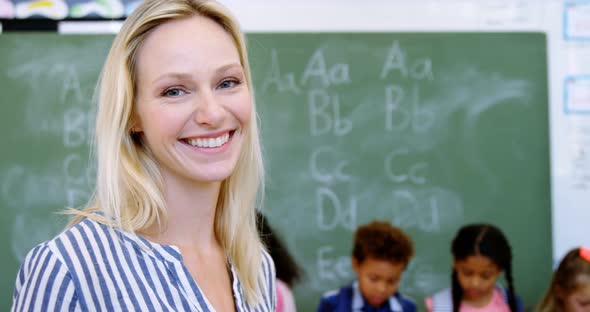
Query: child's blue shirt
point(350, 299)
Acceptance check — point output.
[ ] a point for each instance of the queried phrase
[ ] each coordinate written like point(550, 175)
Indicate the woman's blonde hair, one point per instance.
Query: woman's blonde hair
point(129, 188)
point(572, 272)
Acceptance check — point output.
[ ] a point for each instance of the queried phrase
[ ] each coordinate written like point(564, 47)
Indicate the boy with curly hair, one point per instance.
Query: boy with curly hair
point(380, 255)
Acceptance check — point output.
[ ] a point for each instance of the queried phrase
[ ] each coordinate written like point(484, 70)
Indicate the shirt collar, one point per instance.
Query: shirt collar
point(358, 301)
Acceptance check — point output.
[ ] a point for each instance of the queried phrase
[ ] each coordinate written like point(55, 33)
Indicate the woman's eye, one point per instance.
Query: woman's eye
point(229, 83)
point(174, 92)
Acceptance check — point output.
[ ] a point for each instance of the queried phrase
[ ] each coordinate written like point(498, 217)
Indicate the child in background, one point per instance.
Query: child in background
point(570, 286)
point(481, 253)
point(380, 255)
point(288, 271)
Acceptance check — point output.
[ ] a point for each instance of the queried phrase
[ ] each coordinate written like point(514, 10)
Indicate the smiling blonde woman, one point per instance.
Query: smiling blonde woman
point(171, 225)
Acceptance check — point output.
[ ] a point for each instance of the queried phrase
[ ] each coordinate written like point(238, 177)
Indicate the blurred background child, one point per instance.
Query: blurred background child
point(380, 255)
point(289, 273)
point(481, 253)
point(570, 286)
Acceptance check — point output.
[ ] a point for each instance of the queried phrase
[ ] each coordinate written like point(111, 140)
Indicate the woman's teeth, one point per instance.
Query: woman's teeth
point(209, 142)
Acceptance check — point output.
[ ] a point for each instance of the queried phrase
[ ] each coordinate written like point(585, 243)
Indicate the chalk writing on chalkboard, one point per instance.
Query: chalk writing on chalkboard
point(425, 130)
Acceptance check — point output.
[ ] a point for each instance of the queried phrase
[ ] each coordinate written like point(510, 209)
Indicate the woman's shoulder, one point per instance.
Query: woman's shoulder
point(266, 258)
point(86, 232)
point(267, 275)
point(266, 272)
point(54, 264)
point(268, 265)
point(43, 282)
point(81, 242)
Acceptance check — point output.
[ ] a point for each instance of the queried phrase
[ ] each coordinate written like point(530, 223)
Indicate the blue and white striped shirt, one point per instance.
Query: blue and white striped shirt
point(92, 267)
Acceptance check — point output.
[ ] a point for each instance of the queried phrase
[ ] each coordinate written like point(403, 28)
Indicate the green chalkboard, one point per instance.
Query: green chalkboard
point(426, 130)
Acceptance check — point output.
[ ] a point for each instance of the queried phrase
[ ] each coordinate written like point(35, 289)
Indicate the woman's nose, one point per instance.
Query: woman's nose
point(207, 110)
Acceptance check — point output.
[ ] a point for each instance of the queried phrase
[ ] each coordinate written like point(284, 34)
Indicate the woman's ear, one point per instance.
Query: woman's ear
point(135, 125)
point(135, 129)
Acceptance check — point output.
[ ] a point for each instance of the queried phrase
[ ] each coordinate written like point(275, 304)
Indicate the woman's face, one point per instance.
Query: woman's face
point(579, 300)
point(193, 106)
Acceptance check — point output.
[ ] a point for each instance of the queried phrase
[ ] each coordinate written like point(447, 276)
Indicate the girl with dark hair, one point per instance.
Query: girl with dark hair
point(289, 273)
point(481, 253)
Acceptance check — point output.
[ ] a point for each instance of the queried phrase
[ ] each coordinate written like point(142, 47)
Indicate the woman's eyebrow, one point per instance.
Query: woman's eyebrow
point(174, 75)
point(229, 66)
point(182, 76)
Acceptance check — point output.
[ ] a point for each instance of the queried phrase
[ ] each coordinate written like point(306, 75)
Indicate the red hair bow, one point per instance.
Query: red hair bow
point(585, 253)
